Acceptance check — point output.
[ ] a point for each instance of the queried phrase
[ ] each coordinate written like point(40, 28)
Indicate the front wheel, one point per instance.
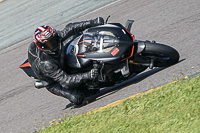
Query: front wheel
point(158, 55)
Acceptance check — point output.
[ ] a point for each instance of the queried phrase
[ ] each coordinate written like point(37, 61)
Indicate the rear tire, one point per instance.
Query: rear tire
point(162, 55)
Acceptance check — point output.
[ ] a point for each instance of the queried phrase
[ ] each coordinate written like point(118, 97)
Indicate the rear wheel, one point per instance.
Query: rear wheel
point(158, 55)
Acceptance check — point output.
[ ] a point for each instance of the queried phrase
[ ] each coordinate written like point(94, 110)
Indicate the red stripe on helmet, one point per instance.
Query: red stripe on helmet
point(39, 47)
point(41, 28)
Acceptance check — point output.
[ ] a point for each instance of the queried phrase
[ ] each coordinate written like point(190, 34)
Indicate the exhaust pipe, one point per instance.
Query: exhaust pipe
point(38, 84)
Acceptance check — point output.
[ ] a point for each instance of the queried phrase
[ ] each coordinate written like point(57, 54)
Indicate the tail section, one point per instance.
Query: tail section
point(26, 67)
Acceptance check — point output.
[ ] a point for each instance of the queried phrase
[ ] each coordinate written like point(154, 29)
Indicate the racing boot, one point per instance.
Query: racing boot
point(74, 95)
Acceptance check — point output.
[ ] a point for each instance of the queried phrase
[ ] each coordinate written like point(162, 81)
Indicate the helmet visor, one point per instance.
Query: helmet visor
point(51, 46)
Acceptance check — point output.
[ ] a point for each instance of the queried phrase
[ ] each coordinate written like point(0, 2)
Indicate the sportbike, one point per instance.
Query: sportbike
point(115, 52)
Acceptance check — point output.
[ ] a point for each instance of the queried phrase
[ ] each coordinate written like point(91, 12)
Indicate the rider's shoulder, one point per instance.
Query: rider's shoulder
point(32, 45)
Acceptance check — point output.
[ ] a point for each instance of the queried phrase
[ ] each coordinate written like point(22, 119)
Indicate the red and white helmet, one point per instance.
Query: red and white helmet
point(46, 39)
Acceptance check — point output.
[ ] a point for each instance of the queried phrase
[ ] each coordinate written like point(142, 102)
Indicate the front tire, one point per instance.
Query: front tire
point(161, 55)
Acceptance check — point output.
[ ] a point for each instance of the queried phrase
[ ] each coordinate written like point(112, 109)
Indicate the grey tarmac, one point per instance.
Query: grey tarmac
point(175, 23)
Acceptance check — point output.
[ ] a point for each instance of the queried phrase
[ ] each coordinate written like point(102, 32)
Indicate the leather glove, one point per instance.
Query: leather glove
point(94, 73)
point(98, 21)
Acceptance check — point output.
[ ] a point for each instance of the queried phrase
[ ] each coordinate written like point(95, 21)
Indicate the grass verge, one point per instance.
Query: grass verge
point(173, 108)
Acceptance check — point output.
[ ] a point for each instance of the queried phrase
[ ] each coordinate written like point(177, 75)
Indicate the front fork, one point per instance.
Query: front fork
point(140, 48)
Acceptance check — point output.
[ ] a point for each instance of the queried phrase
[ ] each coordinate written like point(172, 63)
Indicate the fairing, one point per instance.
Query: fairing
point(107, 43)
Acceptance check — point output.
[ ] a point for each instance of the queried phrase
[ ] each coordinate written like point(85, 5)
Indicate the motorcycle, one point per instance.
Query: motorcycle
point(113, 49)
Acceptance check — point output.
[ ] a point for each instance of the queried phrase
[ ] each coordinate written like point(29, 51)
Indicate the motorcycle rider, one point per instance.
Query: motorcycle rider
point(46, 56)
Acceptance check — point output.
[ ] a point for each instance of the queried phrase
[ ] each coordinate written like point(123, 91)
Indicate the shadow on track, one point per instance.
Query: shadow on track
point(110, 90)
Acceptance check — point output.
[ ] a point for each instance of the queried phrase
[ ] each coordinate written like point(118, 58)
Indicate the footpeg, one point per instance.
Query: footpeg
point(151, 64)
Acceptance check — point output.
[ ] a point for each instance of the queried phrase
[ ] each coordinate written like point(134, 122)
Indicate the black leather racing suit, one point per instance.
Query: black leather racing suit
point(49, 70)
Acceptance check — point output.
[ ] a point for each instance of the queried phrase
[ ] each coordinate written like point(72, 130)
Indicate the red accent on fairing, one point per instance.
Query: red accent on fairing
point(114, 51)
point(130, 34)
point(89, 41)
point(25, 65)
point(80, 42)
point(130, 55)
point(133, 45)
point(80, 55)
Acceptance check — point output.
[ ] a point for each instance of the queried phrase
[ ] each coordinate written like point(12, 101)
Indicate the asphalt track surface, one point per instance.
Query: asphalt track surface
point(23, 16)
point(176, 23)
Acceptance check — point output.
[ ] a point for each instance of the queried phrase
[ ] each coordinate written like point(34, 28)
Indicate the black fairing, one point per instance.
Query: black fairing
point(87, 47)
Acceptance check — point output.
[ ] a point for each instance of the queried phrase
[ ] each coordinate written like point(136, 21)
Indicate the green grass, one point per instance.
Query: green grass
point(174, 108)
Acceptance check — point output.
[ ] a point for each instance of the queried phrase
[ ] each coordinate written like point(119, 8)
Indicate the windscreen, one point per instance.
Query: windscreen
point(100, 42)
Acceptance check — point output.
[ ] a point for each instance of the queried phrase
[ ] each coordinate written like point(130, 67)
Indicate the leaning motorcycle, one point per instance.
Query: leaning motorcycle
point(115, 52)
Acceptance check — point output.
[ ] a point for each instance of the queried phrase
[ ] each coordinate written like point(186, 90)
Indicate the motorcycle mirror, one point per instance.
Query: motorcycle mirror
point(107, 19)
